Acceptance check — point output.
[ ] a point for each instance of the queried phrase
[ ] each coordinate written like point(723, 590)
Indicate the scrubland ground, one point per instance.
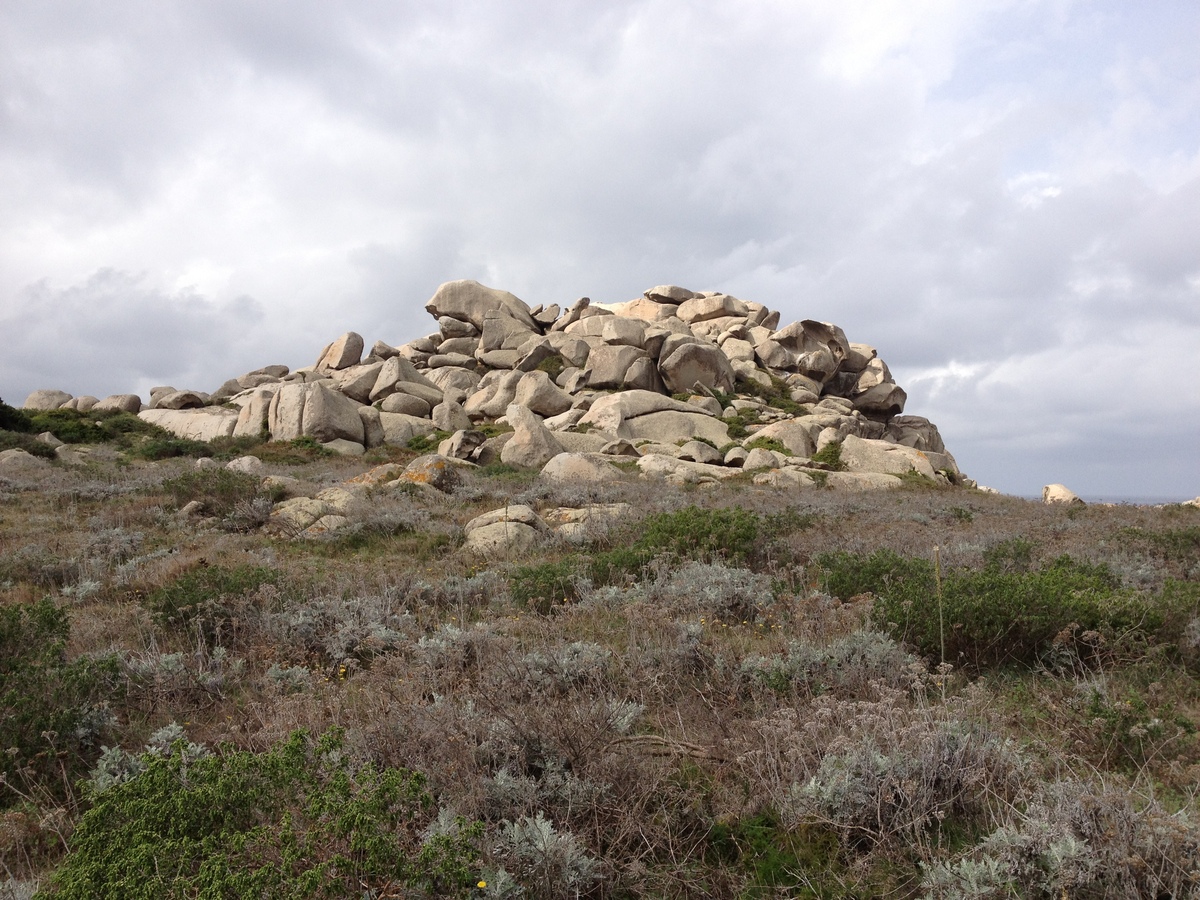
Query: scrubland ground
point(735, 692)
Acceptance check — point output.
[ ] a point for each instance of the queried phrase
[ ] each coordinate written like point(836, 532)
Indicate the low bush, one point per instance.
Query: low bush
point(831, 456)
point(219, 489)
point(298, 821)
point(996, 615)
point(12, 419)
point(199, 595)
point(53, 712)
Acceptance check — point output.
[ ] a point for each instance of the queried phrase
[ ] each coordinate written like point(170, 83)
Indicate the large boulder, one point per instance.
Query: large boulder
point(193, 424)
point(346, 351)
point(470, 301)
point(1060, 494)
point(582, 467)
point(609, 413)
point(861, 455)
point(130, 403)
point(673, 427)
point(313, 410)
point(47, 398)
point(532, 445)
point(537, 392)
point(696, 363)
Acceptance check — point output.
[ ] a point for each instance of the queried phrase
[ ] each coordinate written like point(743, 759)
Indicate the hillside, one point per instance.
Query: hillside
point(273, 664)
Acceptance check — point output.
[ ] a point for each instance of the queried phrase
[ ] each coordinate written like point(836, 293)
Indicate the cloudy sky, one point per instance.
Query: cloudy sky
point(1002, 197)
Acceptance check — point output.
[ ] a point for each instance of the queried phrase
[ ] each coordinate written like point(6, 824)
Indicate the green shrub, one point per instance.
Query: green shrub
point(766, 443)
point(552, 366)
point(16, 440)
point(53, 712)
point(771, 857)
point(541, 587)
point(732, 534)
point(219, 489)
point(778, 395)
point(993, 616)
point(110, 426)
point(301, 820)
point(831, 455)
point(198, 594)
point(12, 419)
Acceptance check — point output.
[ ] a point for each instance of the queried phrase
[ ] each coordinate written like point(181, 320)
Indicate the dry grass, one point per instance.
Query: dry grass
point(693, 730)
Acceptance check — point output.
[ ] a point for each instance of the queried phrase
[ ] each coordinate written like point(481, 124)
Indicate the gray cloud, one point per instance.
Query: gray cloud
point(1002, 196)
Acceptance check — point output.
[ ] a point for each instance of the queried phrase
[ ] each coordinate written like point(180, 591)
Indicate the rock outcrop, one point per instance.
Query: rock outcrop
point(694, 386)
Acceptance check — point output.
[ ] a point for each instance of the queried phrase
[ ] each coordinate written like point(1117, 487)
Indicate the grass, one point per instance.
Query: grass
point(728, 692)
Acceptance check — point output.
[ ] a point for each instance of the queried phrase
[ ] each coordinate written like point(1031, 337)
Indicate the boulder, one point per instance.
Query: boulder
point(250, 465)
point(406, 404)
point(463, 444)
point(130, 403)
point(313, 410)
point(537, 392)
point(698, 451)
point(399, 371)
point(399, 429)
point(679, 471)
point(470, 301)
point(495, 393)
point(85, 403)
point(503, 539)
point(181, 400)
point(357, 382)
point(712, 306)
point(885, 400)
point(455, 382)
point(582, 467)
point(532, 445)
point(792, 434)
point(17, 460)
point(1060, 494)
point(501, 331)
point(206, 424)
point(373, 435)
point(346, 351)
point(861, 455)
point(694, 363)
point(672, 426)
point(254, 418)
point(609, 412)
point(608, 364)
point(47, 398)
point(450, 416)
point(434, 470)
point(669, 293)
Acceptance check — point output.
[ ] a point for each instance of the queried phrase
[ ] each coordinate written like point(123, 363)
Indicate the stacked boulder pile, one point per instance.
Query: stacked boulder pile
point(689, 386)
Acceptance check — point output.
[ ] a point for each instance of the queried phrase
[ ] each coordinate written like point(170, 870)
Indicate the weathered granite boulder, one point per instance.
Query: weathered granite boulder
point(313, 410)
point(879, 456)
point(470, 301)
point(1060, 494)
point(47, 398)
point(130, 403)
point(206, 424)
point(346, 351)
point(532, 445)
point(582, 467)
point(694, 363)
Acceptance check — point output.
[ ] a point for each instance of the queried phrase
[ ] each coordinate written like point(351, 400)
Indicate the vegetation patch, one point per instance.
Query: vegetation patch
point(302, 820)
point(998, 615)
point(53, 712)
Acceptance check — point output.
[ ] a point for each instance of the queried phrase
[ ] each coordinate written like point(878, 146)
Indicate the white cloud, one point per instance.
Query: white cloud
point(979, 189)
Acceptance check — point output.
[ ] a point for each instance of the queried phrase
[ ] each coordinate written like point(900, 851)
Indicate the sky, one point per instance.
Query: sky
point(1002, 197)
